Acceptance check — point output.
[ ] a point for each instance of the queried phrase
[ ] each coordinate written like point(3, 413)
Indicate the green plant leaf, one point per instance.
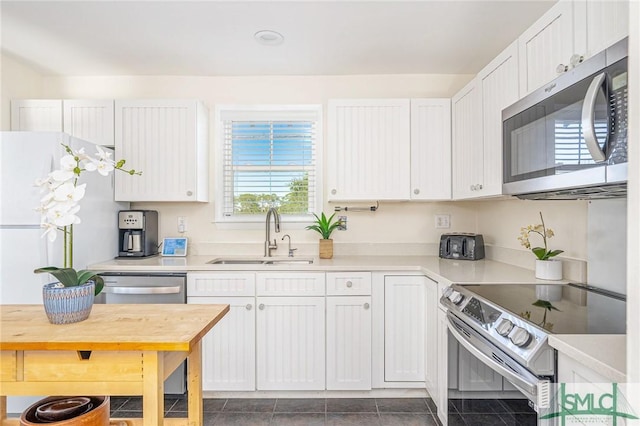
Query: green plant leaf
point(539, 252)
point(554, 253)
point(67, 276)
point(545, 304)
point(323, 225)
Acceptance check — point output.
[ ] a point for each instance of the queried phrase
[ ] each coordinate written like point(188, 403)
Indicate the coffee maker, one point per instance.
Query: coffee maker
point(138, 233)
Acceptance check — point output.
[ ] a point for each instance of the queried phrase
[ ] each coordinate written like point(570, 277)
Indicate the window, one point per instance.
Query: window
point(267, 156)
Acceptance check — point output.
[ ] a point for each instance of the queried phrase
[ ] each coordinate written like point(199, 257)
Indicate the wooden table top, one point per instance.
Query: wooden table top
point(166, 327)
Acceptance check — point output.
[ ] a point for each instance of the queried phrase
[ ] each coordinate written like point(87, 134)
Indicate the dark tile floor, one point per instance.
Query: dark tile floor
point(343, 411)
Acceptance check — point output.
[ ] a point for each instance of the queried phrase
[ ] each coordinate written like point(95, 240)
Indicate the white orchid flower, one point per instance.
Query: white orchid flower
point(68, 162)
point(50, 231)
point(62, 175)
point(69, 192)
point(102, 154)
point(63, 214)
point(104, 167)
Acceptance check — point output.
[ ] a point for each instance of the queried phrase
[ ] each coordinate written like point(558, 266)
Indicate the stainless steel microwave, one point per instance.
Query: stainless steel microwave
point(568, 140)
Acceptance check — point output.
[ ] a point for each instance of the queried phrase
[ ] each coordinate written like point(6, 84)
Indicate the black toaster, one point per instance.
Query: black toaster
point(463, 246)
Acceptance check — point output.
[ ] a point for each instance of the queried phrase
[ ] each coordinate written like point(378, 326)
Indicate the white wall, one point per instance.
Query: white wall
point(393, 222)
point(498, 220)
point(19, 81)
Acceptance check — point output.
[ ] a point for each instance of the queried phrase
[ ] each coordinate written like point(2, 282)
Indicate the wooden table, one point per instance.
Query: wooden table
point(119, 350)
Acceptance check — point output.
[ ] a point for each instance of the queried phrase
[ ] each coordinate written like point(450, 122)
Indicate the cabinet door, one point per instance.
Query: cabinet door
point(468, 153)
point(441, 398)
point(166, 140)
point(349, 343)
point(549, 42)
point(431, 339)
point(600, 23)
point(404, 328)
point(499, 89)
point(290, 343)
point(36, 115)
point(474, 375)
point(91, 120)
point(229, 351)
point(368, 149)
point(430, 149)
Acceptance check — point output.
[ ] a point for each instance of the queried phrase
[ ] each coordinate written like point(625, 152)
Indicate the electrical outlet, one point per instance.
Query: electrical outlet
point(443, 221)
point(343, 223)
point(182, 224)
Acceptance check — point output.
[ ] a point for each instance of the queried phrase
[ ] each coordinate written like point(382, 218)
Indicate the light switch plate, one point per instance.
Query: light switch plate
point(443, 221)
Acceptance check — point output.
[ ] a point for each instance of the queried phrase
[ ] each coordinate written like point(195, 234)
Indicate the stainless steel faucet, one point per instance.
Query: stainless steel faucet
point(268, 245)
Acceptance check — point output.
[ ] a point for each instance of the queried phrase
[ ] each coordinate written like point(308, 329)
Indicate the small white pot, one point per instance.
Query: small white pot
point(549, 269)
point(549, 292)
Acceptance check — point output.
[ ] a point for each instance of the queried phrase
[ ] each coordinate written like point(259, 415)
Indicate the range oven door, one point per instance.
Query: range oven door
point(535, 388)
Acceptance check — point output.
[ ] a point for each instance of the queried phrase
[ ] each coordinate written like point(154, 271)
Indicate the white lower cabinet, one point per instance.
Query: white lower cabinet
point(431, 339)
point(290, 343)
point(229, 350)
point(442, 395)
point(349, 343)
point(404, 328)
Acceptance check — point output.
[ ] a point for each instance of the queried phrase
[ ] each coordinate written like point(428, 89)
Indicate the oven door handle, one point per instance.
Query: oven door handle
point(142, 290)
point(529, 386)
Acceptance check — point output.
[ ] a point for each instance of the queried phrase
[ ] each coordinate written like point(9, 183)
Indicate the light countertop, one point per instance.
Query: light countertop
point(605, 354)
point(442, 270)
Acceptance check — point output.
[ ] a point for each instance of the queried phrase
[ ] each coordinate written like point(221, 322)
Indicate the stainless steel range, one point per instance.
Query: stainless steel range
point(507, 326)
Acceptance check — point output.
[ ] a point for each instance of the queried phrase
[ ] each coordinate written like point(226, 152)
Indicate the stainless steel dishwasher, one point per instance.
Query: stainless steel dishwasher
point(128, 287)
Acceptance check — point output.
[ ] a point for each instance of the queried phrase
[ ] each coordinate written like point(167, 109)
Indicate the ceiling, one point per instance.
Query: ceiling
point(207, 38)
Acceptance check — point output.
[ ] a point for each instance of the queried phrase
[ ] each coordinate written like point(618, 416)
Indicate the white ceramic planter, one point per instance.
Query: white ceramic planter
point(549, 292)
point(549, 269)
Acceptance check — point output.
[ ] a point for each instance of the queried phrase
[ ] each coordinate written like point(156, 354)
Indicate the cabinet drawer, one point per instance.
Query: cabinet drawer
point(290, 284)
point(221, 284)
point(8, 366)
point(349, 283)
point(46, 366)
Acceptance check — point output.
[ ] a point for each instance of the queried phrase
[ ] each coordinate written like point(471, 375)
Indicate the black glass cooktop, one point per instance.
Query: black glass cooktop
point(571, 309)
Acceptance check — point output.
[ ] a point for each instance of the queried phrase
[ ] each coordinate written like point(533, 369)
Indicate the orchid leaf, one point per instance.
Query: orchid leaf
point(545, 304)
point(67, 276)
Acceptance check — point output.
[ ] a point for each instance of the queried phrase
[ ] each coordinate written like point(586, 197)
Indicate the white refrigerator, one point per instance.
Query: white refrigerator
point(25, 157)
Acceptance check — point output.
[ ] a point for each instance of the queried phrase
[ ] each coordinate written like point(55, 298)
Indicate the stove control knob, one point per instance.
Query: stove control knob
point(520, 337)
point(455, 297)
point(504, 328)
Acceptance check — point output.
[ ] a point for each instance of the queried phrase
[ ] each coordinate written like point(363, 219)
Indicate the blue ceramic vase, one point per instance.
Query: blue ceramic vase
point(66, 305)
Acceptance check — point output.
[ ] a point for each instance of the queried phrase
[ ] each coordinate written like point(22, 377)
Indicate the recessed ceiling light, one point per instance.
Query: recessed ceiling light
point(269, 38)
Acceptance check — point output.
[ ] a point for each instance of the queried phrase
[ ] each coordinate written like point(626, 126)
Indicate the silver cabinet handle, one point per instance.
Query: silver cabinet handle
point(248, 307)
point(189, 193)
point(334, 192)
point(366, 306)
point(562, 68)
point(349, 284)
point(142, 290)
point(261, 306)
point(588, 119)
point(479, 186)
point(416, 191)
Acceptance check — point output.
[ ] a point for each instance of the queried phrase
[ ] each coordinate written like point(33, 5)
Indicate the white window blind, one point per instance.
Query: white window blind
point(269, 159)
point(570, 146)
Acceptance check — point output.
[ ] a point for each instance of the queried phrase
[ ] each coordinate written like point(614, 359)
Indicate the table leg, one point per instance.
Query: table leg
point(153, 389)
point(194, 366)
point(3, 408)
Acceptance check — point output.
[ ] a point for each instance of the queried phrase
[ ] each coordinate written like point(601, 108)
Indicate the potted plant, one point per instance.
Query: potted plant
point(546, 267)
point(325, 227)
point(71, 298)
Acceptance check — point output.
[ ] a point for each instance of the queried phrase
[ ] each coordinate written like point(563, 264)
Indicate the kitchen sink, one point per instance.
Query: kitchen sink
point(260, 261)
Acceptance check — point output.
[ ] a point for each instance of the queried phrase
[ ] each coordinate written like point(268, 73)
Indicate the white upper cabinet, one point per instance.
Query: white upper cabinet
point(549, 42)
point(36, 115)
point(467, 145)
point(430, 149)
point(498, 89)
point(91, 120)
point(166, 140)
point(599, 24)
point(570, 32)
point(368, 149)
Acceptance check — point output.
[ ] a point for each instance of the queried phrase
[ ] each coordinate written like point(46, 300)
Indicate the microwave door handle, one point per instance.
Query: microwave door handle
point(588, 119)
